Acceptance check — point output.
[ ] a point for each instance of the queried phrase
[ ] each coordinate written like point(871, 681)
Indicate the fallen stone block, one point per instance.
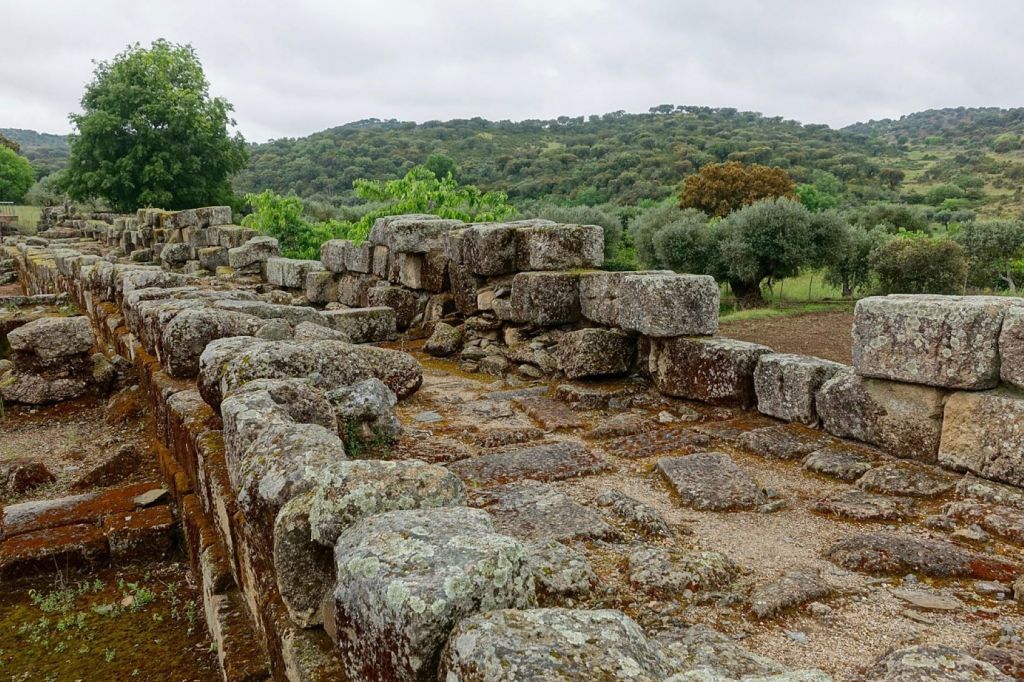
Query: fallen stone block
point(710, 370)
point(366, 420)
point(903, 419)
point(444, 341)
point(140, 535)
point(945, 341)
point(364, 325)
point(982, 433)
point(52, 549)
point(549, 644)
point(253, 254)
point(51, 338)
point(786, 385)
point(595, 353)
point(187, 334)
point(406, 578)
point(790, 590)
point(644, 517)
point(676, 573)
point(35, 515)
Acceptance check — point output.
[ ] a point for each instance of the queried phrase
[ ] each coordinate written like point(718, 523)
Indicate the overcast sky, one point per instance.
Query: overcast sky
point(293, 67)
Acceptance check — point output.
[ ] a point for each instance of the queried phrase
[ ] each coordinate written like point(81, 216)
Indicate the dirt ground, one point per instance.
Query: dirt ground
point(825, 335)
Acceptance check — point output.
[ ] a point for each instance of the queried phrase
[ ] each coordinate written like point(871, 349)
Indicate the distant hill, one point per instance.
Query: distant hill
point(959, 158)
point(48, 153)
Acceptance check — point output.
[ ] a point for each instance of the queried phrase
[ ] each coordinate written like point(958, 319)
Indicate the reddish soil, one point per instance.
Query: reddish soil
point(11, 290)
point(825, 335)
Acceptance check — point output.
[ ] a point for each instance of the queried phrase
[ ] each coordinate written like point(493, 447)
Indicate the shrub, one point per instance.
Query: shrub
point(919, 264)
point(720, 188)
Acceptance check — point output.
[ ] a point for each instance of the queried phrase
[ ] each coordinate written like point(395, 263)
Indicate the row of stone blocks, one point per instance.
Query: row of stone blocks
point(935, 379)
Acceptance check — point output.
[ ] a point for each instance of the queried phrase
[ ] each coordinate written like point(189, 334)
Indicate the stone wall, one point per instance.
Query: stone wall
point(316, 565)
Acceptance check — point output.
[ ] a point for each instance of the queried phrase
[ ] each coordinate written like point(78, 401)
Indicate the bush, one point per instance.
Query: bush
point(16, 176)
point(919, 265)
point(720, 188)
point(849, 267)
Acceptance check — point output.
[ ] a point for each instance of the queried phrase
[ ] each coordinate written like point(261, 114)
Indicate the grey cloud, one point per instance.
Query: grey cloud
point(293, 68)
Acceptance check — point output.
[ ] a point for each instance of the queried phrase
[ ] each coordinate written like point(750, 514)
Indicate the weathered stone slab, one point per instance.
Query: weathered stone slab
point(710, 370)
point(673, 573)
point(984, 433)
point(559, 571)
point(412, 233)
point(52, 548)
point(595, 352)
point(863, 506)
point(546, 298)
point(531, 510)
point(1003, 522)
point(907, 478)
point(705, 654)
point(402, 301)
point(891, 554)
point(971, 487)
point(710, 481)
point(946, 341)
point(932, 662)
point(786, 384)
point(653, 443)
point(364, 325)
point(51, 338)
point(792, 589)
point(599, 294)
point(784, 441)
point(552, 415)
point(545, 462)
point(550, 644)
point(406, 578)
point(559, 247)
point(644, 517)
point(844, 461)
point(254, 253)
point(902, 419)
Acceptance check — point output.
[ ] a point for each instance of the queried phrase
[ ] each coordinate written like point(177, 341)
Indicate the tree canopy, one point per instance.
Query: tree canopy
point(720, 188)
point(16, 175)
point(150, 134)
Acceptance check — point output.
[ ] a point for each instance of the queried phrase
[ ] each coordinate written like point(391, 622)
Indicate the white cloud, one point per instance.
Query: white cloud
point(293, 68)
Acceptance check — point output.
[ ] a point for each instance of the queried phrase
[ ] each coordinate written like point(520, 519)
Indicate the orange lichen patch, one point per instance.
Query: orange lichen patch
point(28, 517)
point(51, 549)
point(140, 535)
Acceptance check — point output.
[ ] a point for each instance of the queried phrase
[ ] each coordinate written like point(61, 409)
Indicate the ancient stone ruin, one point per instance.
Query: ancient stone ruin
point(357, 509)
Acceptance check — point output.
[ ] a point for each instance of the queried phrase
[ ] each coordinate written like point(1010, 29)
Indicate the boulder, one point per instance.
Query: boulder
point(552, 644)
point(365, 415)
point(559, 247)
point(675, 573)
point(786, 385)
point(559, 571)
point(406, 578)
point(903, 419)
point(364, 325)
point(945, 341)
point(710, 370)
point(595, 352)
point(892, 554)
point(546, 298)
point(444, 341)
point(932, 663)
point(187, 334)
point(983, 433)
point(1011, 347)
point(51, 338)
point(253, 254)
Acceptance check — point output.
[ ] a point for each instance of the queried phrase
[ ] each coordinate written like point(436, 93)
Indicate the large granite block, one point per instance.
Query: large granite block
point(710, 370)
point(559, 247)
point(786, 385)
point(546, 298)
point(984, 433)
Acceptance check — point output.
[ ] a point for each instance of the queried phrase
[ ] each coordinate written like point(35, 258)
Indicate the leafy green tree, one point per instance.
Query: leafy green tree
point(915, 263)
point(10, 144)
point(16, 176)
point(894, 217)
point(849, 267)
point(994, 251)
point(651, 221)
point(150, 134)
point(441, 165)
point(814, 199)
point(766, 242)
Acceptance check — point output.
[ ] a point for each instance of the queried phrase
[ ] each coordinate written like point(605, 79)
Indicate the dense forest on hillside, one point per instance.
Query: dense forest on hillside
point(950, 159)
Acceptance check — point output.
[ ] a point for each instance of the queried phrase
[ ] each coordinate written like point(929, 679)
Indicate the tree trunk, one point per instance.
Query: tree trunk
point(748, 295)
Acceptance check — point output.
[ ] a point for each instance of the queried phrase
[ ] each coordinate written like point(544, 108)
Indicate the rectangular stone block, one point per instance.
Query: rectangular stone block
point(336, 256)
point(719, 371)
point(1011, 347)
point(659, 305)
point(947, 341)
point(546, 298)
point(352, 289)
point(786, 385)
point(415, 234)
point(290, 273)
point(321, 286)
point(359, 257)
point(984, 433)
point(364, 325)
point(599, 294)
point(905, 420)
point(490, 249)
point(595, 352)
point(559, 247)
point(381, 259)
point(213, 257)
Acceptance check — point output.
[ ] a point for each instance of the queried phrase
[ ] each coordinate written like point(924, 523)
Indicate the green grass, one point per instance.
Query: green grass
point(28, 217)
point(729, 314)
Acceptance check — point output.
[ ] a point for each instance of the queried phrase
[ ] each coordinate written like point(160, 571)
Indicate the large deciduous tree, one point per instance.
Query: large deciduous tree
point(720, 188)
point(150, 134)
point(16, 176)
point(995, 251)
